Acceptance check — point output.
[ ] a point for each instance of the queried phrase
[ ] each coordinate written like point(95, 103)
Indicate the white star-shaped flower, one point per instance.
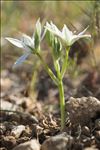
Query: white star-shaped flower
point(65, 34)
point(27, 43)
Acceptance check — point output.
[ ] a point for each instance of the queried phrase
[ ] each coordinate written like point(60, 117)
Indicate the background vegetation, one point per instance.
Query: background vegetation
point(21, 16)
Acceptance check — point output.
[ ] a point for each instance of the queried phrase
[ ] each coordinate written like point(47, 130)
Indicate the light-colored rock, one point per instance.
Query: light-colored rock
point(81, 110)
point(5, 105)
point(58, 142)
point(30, 145)
point(91, 148)
point(17, 130)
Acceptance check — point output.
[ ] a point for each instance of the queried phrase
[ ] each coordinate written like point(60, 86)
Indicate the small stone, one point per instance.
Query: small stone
point(9, 142)
point(14, 117)
point(78, 146)
point(86, 131)
point(3, 148)
point(97, 124)
point(81, 110)
point(30, 145)
point(33, 119)
point(16, 131)
point(27, 132)
point(22, 140)
point(87, 141)
point(58, 142)
point(2, 129)
point(5, 105)
point(29, 119)
point(97, 134)
point(91, 148)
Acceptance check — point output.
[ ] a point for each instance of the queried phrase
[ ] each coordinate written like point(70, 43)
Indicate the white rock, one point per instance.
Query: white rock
point(91, 148)
point(17, 130)
point(5, 105)
point(30, 145)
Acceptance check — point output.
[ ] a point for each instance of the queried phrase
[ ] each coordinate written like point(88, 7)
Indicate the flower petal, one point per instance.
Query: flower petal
point(67, 34)
point(81, 33)
point(55, 28)
point(21, 59)
point(49, 27)
point(15, 42)
point(26, 40)
point(38, 27)
point(52, 28)
point(77, 37)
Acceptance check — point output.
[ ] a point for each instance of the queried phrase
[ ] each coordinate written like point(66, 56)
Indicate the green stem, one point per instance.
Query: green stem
point(49, 71)
point(61, 94)
point(65, 63)
point(59, 83)
point(57, 68)
point(62, 104)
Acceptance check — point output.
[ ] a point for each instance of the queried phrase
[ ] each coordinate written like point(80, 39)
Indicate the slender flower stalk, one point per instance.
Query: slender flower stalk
point(48, 70)
point(61, 94)
point(65, 62)
point(62, 103)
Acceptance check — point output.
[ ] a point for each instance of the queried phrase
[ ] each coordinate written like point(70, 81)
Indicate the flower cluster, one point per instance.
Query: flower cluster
point(55, 38)
point(66, 35)
point(29, 44)
point(32, 44)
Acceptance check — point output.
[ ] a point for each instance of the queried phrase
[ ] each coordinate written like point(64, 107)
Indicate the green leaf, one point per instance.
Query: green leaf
point(50, 38)
point(38, 27)
point(57, 48)
point(37, 34)
point(36, 41)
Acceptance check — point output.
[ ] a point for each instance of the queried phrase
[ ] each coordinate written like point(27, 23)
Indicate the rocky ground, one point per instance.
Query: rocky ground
point(35, 125)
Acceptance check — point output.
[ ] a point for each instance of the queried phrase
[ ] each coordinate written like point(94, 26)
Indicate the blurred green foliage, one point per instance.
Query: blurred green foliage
point(21, 16)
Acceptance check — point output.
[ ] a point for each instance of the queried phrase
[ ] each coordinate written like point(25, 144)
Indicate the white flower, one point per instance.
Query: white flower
point(66, 35)
point(27, 43)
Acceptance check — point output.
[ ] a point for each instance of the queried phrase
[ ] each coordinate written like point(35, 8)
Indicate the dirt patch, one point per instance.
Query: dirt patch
point(24, 122)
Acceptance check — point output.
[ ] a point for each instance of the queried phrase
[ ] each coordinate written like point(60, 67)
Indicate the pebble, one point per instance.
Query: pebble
point(22, 140)
point(97, 124)
point(91, 148)
point(29, 119)
point(8, 142)
point(3, 148)
point(81, 110)
point(17, 130)
point(14, 117)
point(30, 145)
point(2, 129)
point(58, 142)
point(97, 134)
point(86, 131)
point(5, 105)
